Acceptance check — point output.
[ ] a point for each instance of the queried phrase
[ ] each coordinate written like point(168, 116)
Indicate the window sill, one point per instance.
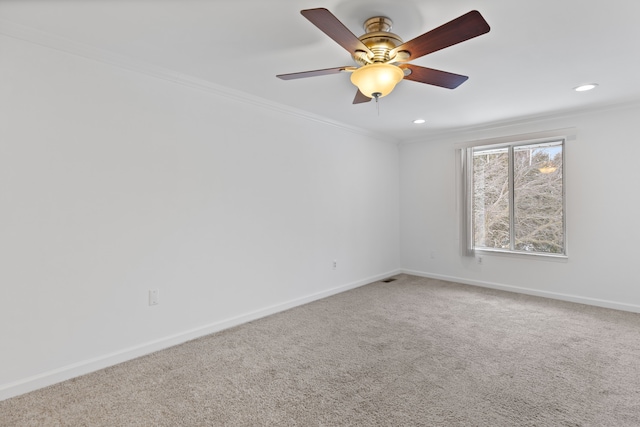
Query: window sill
point(523, 255)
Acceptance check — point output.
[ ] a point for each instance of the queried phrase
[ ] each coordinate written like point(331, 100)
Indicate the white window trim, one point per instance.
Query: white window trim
point(465, 198)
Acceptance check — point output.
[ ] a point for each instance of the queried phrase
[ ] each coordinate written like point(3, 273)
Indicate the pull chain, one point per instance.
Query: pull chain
point(376, 95)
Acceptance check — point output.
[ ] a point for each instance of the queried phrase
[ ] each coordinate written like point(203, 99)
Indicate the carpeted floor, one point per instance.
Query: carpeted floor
point(411, 352)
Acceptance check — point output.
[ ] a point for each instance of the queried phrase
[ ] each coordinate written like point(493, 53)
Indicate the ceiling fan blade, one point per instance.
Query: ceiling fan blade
point(433, 77)
point(313, 73)
point(464, 27)
point(360, 98)
point(331, 26)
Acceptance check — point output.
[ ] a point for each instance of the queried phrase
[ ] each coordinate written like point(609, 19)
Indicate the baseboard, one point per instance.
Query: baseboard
point(517, 289)
point(87, 366)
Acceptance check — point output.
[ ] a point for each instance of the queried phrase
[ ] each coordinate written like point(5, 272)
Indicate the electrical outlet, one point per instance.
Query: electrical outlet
point(433, 254)
point(479, 260)
point(154, 297)
point(335, 264)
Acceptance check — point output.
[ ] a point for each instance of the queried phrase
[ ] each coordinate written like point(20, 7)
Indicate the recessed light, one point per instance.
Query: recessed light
point(584, 88)
point(419, 121)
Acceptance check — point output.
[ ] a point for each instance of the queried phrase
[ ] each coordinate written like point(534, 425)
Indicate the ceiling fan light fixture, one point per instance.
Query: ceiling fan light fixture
point(377, 80)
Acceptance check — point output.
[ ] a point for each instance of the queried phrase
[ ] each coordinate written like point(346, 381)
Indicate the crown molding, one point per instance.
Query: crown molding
point(51, 41)
point(522, 121)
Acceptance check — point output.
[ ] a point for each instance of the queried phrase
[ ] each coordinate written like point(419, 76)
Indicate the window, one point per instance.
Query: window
point(515, 197)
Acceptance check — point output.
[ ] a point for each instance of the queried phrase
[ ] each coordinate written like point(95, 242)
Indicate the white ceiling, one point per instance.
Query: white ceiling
point(526, 66)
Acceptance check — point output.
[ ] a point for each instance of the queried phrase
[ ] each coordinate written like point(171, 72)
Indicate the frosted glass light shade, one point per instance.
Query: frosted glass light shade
point(377, 78)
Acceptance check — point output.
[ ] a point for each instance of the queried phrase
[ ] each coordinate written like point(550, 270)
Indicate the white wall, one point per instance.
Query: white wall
point(603, 200)
point(114, 182)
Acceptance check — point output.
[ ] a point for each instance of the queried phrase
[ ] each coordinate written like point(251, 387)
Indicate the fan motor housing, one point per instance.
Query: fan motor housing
point(379, 39)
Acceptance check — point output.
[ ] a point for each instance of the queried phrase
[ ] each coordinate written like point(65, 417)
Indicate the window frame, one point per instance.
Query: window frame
point(466, 168)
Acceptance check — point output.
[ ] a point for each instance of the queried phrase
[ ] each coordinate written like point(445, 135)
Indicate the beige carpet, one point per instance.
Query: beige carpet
point(411, 352)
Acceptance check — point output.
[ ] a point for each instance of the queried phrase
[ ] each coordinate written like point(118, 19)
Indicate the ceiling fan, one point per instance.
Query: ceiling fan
point(383, 56)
